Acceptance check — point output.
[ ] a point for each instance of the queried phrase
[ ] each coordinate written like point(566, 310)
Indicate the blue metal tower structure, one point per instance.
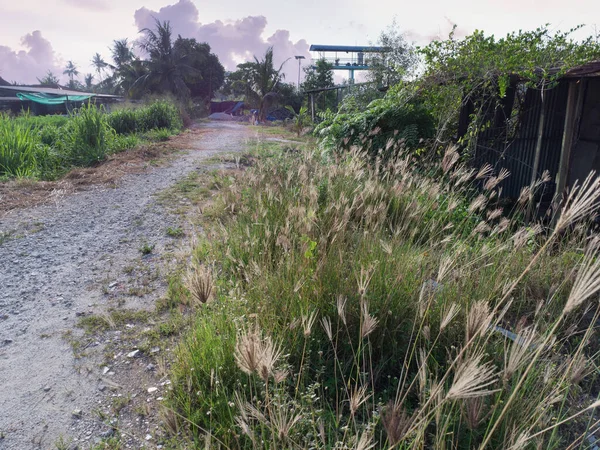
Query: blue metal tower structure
point(346, 57)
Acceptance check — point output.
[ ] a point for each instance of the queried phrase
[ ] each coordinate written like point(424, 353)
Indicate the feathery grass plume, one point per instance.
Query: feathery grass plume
point(357, 397)
point(492, 215)
point(426, 331)
point(452, 204)
point(283, 420)
point(447, 262)
point(270, 355)
point(254, 353)
point(199, 282)
point(523, 235)
point(248, 351)
point(450, 158)
point(479, 318)
point(368, 322)
point(448, 314)
point(587, 282)
point(308, 321)
point(581, 202)
point(520, 443)
point(472, 378)
point(518, 354)
point(386, 247)
point(365, 442)
point(279, 376)
point(368, 325)
point(473, 412)
point(364, 279)
point(484, 171)
point(396, 422)
point(492, 182)
point(525, 195)
point(479, 202)
point(341, 307)
point(326, 322)
point(579, 368)
point(482, 227)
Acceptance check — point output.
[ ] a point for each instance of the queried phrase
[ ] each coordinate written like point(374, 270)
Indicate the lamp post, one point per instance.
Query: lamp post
point(299, 58)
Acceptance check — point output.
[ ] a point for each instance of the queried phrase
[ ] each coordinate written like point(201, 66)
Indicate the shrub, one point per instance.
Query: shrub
point(18, 145)
point(399, 117)
point(125, 121)
point(88, 135)
point(160, 114)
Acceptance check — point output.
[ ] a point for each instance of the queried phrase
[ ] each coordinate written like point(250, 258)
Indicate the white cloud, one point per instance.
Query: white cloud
point(231, 41)
point(25, 66)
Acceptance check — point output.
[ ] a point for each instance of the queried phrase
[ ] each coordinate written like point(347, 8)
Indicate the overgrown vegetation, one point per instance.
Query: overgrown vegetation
point(481, 68)
point(348, 303)
point(400, 117)
point(45, 147)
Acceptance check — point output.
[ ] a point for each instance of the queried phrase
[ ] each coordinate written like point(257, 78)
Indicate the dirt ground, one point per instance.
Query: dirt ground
point(82, 263)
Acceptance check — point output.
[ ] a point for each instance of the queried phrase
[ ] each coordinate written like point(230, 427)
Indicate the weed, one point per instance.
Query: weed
point(328, 261)
point(175, 232)
point(119, 402)
point(146, 248)
point(63, 443)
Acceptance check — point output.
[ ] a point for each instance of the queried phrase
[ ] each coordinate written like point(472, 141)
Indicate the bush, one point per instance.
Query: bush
point(399, 117)
point(160, 114)
point(125, 121)
point(18, 145)
point(88, 136)
point(46, 146)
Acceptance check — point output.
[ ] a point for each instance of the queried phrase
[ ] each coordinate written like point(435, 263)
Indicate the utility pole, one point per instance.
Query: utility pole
point(299, 58)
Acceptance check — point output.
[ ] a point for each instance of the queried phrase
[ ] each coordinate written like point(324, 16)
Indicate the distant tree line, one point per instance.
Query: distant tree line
point(182, 67)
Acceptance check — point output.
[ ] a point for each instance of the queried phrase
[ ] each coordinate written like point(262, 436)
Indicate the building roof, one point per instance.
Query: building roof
point(53, 91)
point(590, 69)
point(346, 48)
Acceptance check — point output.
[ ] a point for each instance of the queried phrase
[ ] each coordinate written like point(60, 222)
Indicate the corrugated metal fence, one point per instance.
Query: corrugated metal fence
point(517, 154)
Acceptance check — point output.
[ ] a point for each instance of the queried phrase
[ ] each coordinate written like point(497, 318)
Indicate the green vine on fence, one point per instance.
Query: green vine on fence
point(481, 68)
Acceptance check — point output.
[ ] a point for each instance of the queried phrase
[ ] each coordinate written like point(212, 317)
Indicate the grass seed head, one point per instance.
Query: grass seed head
point(472, 378)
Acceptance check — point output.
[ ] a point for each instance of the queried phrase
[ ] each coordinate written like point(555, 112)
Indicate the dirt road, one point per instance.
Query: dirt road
point(60, 263)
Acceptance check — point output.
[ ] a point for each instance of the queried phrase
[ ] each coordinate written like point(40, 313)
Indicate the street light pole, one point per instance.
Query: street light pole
point(299, 58)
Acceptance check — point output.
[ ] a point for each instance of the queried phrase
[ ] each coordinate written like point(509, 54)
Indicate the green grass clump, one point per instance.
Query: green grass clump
point(47, 146)
point(125, 121)
point(88, 136)
point(357, 303)
point(18, 147)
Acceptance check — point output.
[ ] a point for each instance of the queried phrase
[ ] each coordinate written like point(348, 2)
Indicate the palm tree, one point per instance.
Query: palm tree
point(71, 70)
point(261, 79)
point(167, 68)
point(89, 78)
point(99, 64)
point(121, 53)
point(49, 80)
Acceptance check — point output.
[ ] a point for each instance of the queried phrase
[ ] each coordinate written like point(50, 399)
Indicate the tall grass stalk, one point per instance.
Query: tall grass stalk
point(384, 288)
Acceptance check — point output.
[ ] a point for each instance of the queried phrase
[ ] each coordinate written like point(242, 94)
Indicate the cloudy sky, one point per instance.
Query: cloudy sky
point(41, 35)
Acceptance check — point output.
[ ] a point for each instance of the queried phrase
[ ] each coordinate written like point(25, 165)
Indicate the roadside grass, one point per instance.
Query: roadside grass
point(358, 305)
point(47, 147)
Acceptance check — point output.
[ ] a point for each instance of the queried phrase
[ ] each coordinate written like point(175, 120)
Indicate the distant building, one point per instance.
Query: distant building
point(41, 100)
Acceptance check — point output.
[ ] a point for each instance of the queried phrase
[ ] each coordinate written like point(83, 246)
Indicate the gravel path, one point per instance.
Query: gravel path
point(60, 268)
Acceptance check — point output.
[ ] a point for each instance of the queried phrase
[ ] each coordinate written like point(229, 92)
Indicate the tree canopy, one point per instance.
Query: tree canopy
point(259, 80)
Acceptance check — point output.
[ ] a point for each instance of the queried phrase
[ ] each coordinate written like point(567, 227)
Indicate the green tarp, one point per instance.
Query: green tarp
point(47, 99)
